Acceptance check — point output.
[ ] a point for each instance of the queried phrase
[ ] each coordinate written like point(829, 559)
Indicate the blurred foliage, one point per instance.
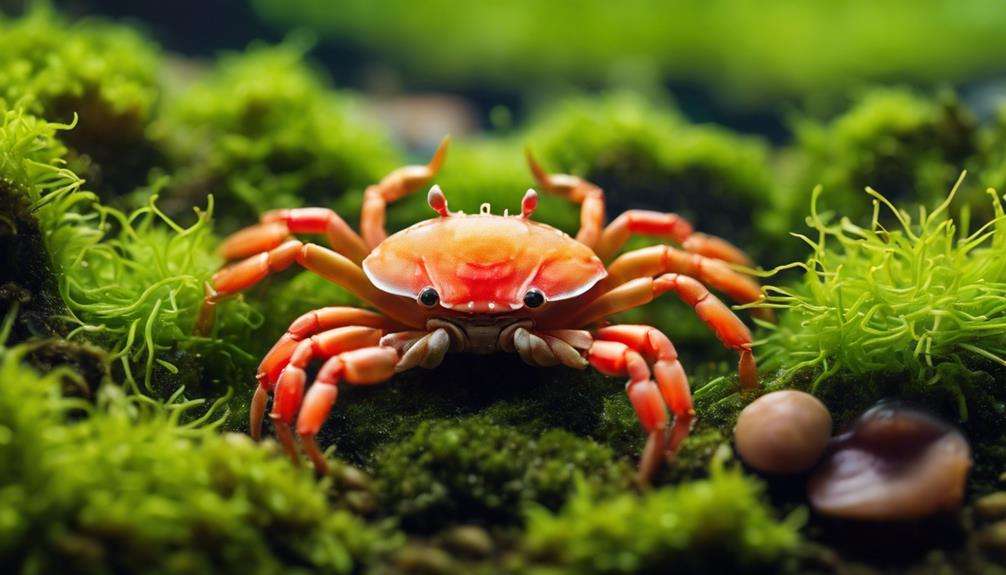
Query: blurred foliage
point(104, 74)
point(128, 487)
point(714, 525)
point(264, 130)
point(914, 306)
point(646, 155)
point(906, 146)
point(814, 47)
point(453, 472)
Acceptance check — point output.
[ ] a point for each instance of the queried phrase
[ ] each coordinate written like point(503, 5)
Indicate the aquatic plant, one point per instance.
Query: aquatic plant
point(473, 470)
point(715, 525)
point(103, 73)
point(905, 145)
point(263, 129)
point(903, 311)
point(129, 485)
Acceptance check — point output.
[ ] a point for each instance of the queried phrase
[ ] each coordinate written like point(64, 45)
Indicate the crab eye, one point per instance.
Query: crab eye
point(534, 298)
point(429, 297)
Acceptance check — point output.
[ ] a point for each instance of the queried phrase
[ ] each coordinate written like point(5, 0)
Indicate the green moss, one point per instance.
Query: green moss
point(38, 197)
point(907, 311)
point(904, 145)
point(263, 130)
point(645, 155)
point(105, 74)
point(126, 487)
point(716, 525)
point(137, 288)
point(472, 470)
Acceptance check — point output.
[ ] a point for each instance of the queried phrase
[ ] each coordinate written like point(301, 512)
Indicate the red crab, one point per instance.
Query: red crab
point(484, 283)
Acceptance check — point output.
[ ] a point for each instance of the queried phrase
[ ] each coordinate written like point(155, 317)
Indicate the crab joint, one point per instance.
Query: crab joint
point(438, 201)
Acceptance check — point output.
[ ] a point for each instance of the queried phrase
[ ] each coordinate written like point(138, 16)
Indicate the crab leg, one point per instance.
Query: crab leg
point(656, 260)
point(395, 186)
point(668, 226)
point(310, 323)
point(577, 190)
point(323, 261)
point(730, 330)
point(657, 381)
point(278, 225)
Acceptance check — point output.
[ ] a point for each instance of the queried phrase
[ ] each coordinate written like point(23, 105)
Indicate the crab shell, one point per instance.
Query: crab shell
point(483, 263)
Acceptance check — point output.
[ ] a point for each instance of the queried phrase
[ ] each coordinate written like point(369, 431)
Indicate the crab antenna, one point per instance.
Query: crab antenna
point(529, 203)
point(438, 201)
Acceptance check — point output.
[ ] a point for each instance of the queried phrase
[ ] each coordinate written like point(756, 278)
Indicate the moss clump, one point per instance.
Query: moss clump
point(472, 470)
point(137, 288)
point(645, 155)
point(105, 74)
point(715, 525)
point(263, 130)
point(126, 487)
point(909, 310)
point(38, 196)
point(902, 144)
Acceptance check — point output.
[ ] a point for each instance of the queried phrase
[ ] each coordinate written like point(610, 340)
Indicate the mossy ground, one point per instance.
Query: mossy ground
point(113, 450)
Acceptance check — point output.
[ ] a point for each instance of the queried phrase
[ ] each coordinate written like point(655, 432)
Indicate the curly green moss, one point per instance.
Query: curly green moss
point(124, 486)
point(472, 470)
point(915, 306)
point(715, 525)
point(263, 130)
point(645, 155)
point(38, 201)
point(137, 288)
point(106, 74)
point(902, 144)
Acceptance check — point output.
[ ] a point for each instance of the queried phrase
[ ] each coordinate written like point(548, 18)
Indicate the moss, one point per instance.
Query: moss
point(126, 487)
point(646, 155)
point(907, 146)
point(264, 130)
point(472, 470)
point(912, 311)
point(38, 198)
point(715, 525)
point(137, 288)
point(106, 74)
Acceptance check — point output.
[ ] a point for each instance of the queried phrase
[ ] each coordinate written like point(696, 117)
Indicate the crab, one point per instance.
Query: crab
point(484, 283)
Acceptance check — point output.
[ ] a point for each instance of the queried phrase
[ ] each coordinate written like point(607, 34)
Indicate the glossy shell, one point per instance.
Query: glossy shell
point(483, 263)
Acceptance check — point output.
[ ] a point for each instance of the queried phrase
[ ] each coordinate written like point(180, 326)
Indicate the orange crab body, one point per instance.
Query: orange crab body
point(484, 283)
